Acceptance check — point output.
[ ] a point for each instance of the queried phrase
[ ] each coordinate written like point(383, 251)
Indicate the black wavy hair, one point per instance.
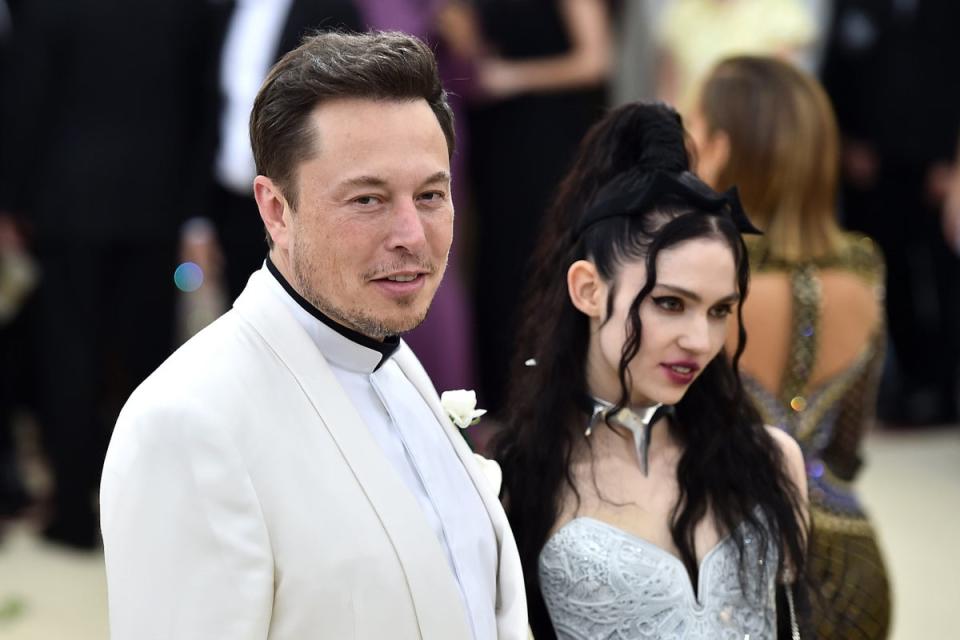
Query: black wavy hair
point(735, 470)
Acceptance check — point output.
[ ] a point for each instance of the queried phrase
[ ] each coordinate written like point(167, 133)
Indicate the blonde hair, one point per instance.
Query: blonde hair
point(784, 151)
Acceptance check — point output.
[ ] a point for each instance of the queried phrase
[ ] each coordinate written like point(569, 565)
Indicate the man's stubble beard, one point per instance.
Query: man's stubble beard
point(360, 320)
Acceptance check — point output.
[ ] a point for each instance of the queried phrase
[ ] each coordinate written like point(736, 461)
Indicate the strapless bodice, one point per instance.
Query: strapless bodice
point(601, 582)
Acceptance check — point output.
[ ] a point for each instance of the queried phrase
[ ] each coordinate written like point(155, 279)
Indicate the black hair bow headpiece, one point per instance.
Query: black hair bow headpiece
point(662, 184)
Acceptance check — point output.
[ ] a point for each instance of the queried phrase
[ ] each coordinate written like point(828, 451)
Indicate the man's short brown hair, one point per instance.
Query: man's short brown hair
point(378, 66)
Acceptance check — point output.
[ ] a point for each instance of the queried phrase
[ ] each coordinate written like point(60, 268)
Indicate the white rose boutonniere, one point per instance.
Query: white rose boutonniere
point(461, 407)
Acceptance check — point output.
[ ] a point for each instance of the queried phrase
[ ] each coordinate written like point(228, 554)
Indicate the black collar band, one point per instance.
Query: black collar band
point(386, 348)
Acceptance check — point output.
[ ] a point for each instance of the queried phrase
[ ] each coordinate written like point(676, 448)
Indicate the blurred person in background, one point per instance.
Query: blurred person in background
point(540, 69)
point(639, 45)
point(103, 115)
point(822, 11)
point(951, 209)
point(814, 316)
point(811, 57)
point(951, 213)
point(258, 33)
point(888, 71)
point(634, 76)
point(17, 280)
point(693, 35)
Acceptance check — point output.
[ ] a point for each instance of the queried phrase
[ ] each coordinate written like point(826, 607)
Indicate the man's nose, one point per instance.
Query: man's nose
point(407, 230)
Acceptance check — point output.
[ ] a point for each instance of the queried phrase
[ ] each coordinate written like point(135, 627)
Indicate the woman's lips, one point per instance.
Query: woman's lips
point(681, 373)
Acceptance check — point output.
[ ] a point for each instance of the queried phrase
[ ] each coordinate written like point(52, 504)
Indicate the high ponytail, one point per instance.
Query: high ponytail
point(633, 137)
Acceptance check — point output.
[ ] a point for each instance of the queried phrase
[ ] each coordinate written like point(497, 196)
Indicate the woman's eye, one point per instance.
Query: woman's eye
point(722, 311)
point(669, 303)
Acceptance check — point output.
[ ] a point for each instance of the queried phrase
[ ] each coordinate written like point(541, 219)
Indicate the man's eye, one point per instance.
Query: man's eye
point(433, 196)
point(669, 303)
point(366, 201)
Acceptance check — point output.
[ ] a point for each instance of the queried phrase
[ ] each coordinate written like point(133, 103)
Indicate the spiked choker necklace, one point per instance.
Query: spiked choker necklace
point(638, 423)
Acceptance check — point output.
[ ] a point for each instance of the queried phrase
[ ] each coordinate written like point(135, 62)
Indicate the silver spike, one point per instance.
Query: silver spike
point(639, 425)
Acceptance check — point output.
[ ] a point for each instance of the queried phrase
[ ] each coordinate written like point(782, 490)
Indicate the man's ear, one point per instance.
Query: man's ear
point(274, 210)
point(587, 290)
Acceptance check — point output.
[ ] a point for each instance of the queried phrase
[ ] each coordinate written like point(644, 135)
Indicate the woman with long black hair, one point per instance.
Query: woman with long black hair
point(647, 497)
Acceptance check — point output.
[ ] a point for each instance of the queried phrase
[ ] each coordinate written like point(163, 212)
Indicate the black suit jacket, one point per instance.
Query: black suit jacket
point(107, 107)
point(892, 77)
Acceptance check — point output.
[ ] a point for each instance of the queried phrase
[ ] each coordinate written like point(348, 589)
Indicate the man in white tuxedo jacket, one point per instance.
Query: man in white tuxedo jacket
point(289, 473)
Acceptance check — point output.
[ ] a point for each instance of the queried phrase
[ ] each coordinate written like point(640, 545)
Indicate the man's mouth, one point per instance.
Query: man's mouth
point(401, 284)
point(400, 271)
point(401, 276)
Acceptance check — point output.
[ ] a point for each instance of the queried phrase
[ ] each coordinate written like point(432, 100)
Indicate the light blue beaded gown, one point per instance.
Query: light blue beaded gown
point(600, 582)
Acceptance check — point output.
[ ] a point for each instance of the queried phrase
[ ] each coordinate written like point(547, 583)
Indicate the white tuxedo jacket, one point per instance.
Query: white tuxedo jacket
point(243, 498)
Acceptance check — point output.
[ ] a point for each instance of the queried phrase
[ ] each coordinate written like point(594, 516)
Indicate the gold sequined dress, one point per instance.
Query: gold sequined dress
point(851, 598)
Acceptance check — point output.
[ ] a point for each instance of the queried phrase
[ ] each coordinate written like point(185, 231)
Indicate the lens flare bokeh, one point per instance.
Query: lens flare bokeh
point(188, 277)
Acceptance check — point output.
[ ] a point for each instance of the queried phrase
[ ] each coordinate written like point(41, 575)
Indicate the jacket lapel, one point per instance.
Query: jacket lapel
point(439, 610)
point(511, 597)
